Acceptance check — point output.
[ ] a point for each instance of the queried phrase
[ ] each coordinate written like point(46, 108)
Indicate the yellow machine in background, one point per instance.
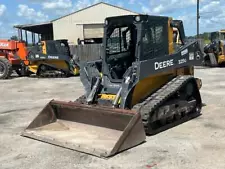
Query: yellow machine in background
point(215, 51)
point(52, 57)
point(141, 86)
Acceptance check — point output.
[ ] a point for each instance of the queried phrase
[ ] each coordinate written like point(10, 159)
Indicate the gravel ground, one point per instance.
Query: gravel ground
point(197, 144)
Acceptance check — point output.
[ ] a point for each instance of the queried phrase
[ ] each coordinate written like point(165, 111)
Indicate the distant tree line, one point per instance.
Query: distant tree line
point(14, 37)
point(205, 36)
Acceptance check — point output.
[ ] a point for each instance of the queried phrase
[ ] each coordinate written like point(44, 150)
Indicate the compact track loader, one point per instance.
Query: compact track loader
point(215, 50)
point(143, 84)
point(52, 58)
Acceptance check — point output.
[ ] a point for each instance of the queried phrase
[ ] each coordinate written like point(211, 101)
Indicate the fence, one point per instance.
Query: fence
point(87, 52)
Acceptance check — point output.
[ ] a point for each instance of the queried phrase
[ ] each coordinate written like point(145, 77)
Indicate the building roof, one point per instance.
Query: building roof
point(93, 6)
point(41, 28)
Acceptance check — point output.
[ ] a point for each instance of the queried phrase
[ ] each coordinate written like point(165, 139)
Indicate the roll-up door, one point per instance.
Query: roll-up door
point(93, 31)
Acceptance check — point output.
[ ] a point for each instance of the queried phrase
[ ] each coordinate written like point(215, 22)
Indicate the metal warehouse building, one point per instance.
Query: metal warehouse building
point(85, 24)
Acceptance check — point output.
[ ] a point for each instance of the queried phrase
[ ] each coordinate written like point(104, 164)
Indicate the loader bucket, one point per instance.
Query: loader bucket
point(98, 131)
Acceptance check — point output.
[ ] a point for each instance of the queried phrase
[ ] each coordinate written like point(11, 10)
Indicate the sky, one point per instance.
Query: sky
point(14, 12)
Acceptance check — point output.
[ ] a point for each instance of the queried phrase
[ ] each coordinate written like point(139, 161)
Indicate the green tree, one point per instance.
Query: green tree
point(14, 37)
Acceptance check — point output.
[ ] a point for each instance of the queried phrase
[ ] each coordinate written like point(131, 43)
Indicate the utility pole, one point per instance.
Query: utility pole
point(198, 17)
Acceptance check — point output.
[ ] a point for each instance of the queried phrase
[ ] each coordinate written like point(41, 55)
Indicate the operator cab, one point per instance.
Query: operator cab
point(216, 36)
point(217, 42)
point(222, 34)
point(128, 39)
point(133, 38)
point(58, 47)
point(120, 48)
point(51, 47)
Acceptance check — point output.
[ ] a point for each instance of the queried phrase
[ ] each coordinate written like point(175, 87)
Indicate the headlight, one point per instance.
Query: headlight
point(198, 55)
point(138, 18)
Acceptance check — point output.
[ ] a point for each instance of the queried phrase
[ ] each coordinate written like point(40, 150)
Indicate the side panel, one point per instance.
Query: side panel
point(7, 45)
point(33, 67)
point(36, 56)
point(221, 58)
point(22, 52)
point(148, 85)
point(186, 57)
point(223, 47)
point(157, 72)
point(181, 71)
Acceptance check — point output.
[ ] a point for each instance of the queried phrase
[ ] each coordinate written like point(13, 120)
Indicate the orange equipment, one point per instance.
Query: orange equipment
point(12, 57)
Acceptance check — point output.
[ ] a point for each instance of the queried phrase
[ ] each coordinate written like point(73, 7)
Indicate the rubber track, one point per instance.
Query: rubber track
point(53, 75)
point(154, 101)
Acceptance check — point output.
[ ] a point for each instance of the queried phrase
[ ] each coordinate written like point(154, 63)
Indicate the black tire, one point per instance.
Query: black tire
point(19, 73)
point(207, 61)
point(5, 68)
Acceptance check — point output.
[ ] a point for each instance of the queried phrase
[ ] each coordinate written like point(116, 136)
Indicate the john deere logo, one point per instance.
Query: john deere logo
point(53, 57)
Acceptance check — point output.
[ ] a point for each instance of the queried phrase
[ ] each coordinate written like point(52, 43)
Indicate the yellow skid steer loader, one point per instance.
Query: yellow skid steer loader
point(141, 86)
point(215, 50)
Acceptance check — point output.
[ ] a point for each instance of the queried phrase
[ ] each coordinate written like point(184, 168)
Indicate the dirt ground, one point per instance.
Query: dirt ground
point(196, 144)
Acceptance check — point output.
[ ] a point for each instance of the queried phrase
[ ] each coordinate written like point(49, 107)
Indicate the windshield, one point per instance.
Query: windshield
point(222, 35)
point(57, 48)
point(120, 49)
point(119, 40)
point(214, 36)
point(217, 36)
